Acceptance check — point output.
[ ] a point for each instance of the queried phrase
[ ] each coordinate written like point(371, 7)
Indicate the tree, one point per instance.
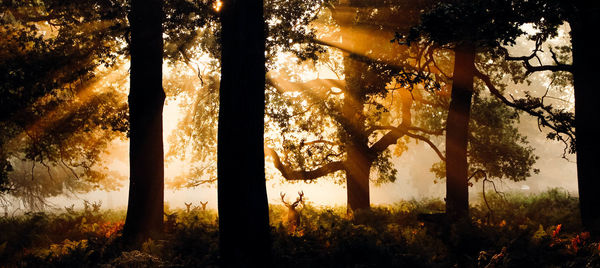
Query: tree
point(63, 102)
point(385, 87)
point(585, 56)
point(243, 210)
point(146, 99)
point(547, 16)
point(365, 80)
point(457, 132)
point(573, 129)
point(57, 116)
point(468, 28)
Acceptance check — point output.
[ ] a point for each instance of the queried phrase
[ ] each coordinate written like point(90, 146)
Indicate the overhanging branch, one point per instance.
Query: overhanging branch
point(556, 121)
point(290, 174)
point(399, 132)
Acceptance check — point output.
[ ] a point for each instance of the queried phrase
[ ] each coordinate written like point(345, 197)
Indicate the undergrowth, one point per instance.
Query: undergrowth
point(510, 231)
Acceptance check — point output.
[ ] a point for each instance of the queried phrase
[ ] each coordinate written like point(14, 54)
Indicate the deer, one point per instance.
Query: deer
point(71, 209)
point(293, 215)
point(96, 206)
point(171, 223)
point(187, 207)
point(89, 207)
point(203, 205)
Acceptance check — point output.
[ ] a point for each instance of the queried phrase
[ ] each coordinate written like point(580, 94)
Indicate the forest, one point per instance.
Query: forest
point(288, 133)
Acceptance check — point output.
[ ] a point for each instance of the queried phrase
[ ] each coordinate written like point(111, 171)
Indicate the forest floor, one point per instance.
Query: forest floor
point(510, 231)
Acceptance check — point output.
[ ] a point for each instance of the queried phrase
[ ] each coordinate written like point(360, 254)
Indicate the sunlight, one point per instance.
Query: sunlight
point(360, 40)
point(354, 129)
point(217, 5)
point(85, 92)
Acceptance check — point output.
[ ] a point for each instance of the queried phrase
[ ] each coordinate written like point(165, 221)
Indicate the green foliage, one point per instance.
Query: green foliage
point(69, 238)
point(522, 228)
point(483, 23)
point(549, 208)
point(492, 26)
point(57, 110)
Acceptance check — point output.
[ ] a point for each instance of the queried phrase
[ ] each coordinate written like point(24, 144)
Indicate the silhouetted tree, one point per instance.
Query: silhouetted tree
point(578, 133)
point(56, 115)
point(585, 56)
point(146, 100)
point(61, 105)
point(574, 129)
point(243, 210)
point(457, 132)
point(468, 28)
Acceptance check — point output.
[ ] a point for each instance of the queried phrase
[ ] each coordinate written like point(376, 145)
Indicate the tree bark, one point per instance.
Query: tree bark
point(585, 57)
point(457, 129)
point(243, 209)
point(357, 180)
point(358, 158)
point(146, 100)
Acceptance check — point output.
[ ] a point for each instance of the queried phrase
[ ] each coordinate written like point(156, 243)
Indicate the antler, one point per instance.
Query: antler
point(283, 199)
point(96, 206)
point(299, 199)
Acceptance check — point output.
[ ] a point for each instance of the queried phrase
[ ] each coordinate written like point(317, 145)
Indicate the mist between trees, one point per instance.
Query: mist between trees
point(342, 92)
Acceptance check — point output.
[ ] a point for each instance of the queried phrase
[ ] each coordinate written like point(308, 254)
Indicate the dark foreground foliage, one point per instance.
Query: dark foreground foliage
point(541, 230)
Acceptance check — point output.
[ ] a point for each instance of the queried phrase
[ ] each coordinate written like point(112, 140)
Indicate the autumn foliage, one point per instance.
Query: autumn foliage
point(524, 230)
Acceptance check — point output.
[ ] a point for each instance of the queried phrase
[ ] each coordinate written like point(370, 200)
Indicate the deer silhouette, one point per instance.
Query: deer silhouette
point(96, 206)
point(71, 209)
point(89, 207)
point(188, 207)
point(171, 223)
point(203, 205)
point(293, 216)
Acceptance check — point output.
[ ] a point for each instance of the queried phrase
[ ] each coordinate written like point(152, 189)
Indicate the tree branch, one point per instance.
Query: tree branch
point(558, 66)
point(568, 123)
point(290, 174)
point(321, 86)
point(401, 131)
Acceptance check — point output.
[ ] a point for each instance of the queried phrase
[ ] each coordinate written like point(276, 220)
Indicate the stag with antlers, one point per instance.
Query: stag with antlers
point(293, 215)
point(203, 205)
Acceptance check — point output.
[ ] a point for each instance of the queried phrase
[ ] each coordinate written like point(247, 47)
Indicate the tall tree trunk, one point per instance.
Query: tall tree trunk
point(358, 161)
point(585, 58)
point(243, 210)
point(146, 100)
point(457, 129)
point(357, 180)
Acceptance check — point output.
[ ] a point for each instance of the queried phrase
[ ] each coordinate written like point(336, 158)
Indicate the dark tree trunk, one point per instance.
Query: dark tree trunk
point(585, 57)
point(243, 209)
point(457, 129)
point(358, 160)
point(357, 180)
point(146, 99)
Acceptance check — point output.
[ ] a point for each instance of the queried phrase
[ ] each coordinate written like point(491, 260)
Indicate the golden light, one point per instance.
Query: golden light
point(217, 5)
point(336, 90)
point(87, 92)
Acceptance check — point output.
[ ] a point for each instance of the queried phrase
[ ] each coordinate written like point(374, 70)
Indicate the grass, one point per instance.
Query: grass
point(541, 230)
